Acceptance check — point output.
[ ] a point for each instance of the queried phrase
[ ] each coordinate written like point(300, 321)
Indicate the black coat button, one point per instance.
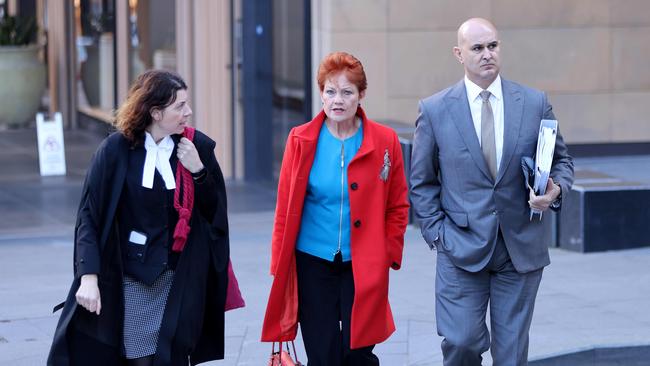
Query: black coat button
point(354, 186)
point(357, 223)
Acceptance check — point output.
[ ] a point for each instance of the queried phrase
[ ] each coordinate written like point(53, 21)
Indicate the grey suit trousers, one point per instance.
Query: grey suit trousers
point(511, 297)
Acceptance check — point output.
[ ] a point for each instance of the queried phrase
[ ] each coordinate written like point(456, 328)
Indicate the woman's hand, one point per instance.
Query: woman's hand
point(88, 294)
point(188, 156)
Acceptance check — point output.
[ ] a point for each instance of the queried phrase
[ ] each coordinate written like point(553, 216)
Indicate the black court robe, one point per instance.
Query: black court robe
point(193, 321)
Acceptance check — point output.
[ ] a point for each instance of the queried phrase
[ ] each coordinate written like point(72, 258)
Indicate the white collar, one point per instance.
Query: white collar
point(474, 90)
point(158, 159)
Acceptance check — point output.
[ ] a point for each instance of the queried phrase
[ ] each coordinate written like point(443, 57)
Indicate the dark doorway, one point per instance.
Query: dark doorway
point(276, 80)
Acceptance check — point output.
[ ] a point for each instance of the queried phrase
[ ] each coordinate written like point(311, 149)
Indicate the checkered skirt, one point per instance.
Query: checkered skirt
point(143, 311)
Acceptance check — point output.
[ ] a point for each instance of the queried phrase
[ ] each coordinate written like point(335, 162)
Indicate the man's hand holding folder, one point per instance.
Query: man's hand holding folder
point(543, 202)
point(542, 191)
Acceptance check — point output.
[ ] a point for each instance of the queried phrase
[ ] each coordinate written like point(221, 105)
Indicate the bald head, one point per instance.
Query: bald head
point(478, 51)
point(473, 26)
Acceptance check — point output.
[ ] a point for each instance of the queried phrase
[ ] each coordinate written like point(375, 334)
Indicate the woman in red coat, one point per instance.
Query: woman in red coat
point(339, 226)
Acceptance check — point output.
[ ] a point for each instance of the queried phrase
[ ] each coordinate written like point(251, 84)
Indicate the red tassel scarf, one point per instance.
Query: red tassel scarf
point(184, 180)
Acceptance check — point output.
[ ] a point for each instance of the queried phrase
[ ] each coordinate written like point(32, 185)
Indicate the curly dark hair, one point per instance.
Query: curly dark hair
point(154, 89)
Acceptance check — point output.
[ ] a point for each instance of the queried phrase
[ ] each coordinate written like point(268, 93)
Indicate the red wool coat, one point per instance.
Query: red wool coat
point(378, 215)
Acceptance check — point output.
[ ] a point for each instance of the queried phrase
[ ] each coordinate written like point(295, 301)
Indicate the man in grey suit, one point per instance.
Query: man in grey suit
point(469, 196)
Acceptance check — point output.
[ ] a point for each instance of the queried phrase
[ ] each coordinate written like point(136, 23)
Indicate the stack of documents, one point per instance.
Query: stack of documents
point(544, 158)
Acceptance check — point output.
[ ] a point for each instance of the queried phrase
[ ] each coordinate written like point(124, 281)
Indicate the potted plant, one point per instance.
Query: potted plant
point(22, 74)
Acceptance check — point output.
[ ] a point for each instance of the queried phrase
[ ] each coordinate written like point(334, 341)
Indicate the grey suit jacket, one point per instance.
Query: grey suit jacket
point(459, 206)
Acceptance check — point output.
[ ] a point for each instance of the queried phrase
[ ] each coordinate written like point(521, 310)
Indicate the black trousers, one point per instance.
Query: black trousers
point(325, 296)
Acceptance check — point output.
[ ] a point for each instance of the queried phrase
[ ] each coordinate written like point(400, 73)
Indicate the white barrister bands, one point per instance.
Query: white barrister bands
point(158, 159)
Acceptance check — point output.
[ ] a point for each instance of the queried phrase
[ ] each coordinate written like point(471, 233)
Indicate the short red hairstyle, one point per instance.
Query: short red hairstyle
point(337, 62)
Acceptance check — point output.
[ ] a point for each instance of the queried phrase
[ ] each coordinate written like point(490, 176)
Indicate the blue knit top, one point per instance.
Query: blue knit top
point(325, 224)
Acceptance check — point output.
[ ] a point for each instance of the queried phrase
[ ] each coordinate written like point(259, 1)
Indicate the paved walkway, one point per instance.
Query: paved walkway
point(585, 300)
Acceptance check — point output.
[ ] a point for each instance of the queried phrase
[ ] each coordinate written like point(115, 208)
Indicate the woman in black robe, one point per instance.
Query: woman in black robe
point(151, 241)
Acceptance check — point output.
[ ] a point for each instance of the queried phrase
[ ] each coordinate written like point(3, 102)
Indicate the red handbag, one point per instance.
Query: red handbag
point(283, 358)
point(234, 299)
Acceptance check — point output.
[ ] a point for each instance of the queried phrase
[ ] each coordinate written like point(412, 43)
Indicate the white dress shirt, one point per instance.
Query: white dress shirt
point(157, 158)
point(496, 101)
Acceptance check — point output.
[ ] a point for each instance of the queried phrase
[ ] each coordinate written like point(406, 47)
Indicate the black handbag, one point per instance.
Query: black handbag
point(528, 170)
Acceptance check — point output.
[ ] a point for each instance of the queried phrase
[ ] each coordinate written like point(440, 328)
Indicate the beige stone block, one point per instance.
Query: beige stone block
point(370, 49)
point(403, 110)
point(630, 12)
point(559, 60)
point(421, 63)
point(583, 118)
point(434, 14)
point(630, 55)
point(630, 121)
point(549, 13)
point(357, 15)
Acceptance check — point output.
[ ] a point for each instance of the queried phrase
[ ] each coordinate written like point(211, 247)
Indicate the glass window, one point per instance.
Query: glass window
point(94, 30)
point(289, 84)
point(152, 30)
point(272, 81)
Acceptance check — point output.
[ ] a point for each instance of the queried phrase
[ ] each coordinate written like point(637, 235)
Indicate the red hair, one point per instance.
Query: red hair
point(337, 62)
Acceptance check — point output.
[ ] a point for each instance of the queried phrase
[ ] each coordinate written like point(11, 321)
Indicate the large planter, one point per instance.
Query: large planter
point(22, 82)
